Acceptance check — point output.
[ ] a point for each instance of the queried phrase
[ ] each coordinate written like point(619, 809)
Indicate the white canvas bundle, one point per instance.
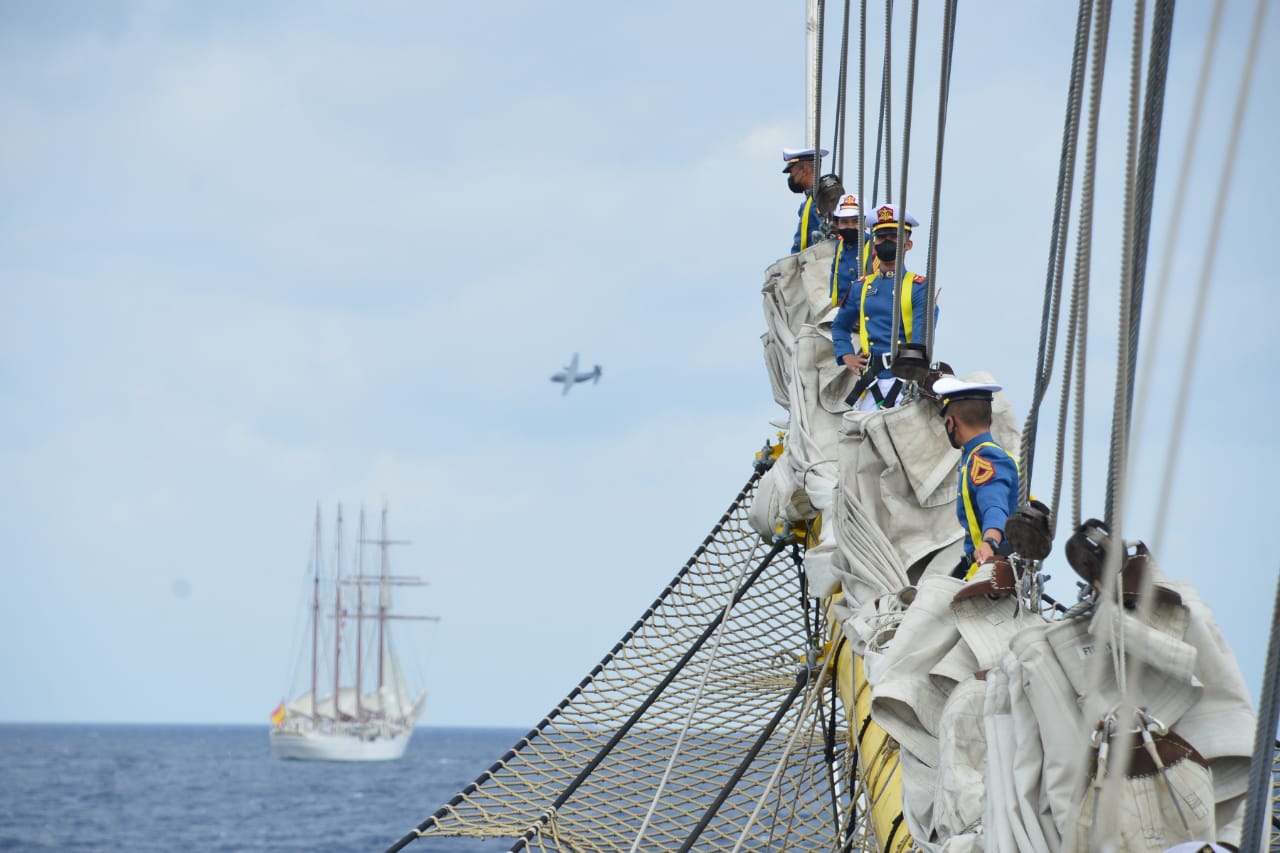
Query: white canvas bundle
point(906, 702)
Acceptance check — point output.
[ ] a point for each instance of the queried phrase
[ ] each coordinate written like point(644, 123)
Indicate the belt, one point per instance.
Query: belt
point(873, 368)
point(1171, 748)
point(869, 374)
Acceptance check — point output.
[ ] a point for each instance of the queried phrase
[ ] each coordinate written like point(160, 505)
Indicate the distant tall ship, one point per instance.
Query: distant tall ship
point(356, 705)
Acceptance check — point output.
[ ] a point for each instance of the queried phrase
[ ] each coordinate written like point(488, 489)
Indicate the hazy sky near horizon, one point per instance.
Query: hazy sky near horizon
point(259, 257)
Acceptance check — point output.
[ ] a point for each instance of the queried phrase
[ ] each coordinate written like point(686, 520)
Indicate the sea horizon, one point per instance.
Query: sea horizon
point(143, 786)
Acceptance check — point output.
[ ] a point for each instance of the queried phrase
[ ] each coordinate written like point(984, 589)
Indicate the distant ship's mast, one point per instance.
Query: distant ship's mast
point(360, 617)
point(315, 612)
point(337, 618)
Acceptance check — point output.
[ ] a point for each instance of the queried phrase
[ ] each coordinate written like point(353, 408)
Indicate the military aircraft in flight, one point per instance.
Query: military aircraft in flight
point(570, 375)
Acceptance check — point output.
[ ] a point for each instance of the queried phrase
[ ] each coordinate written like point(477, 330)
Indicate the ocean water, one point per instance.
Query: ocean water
point(217, 788)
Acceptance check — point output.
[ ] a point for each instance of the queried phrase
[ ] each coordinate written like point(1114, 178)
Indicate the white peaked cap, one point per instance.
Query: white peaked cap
point(887, 214)
point(799, 155)
point(792, 155)
point(847, 207)
point(949, 389)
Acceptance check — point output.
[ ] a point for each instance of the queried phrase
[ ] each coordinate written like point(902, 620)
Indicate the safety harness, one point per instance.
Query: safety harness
point(867, 381)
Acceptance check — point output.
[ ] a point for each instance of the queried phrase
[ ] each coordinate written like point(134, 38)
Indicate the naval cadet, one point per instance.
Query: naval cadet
point(987, 493)
point(868, 308)
point(800, 179)
point(846, 268)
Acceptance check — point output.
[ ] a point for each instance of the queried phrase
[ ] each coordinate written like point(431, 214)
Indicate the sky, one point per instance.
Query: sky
point(259, 257)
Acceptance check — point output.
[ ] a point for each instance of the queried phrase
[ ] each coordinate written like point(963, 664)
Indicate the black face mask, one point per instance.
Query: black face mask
point(793, 185)
point(887, 250)
point(850, 235)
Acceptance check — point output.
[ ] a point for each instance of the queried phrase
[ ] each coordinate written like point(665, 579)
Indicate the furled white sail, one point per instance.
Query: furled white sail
point(990, 701)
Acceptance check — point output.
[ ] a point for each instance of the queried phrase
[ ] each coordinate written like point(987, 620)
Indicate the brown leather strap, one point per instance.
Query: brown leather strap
point(1001, 583)
point(1170, 747)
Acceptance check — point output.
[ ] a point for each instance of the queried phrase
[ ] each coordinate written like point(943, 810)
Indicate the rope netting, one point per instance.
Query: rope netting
point(703, 728)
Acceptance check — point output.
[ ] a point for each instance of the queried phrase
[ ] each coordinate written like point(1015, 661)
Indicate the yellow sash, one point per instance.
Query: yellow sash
point(804, 223)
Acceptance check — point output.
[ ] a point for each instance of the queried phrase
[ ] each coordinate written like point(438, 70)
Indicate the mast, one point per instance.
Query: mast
point(337, 616)
point(385, 581)
point(384, 595)
point(315, 611)
point(811, 77)
point(360, 615)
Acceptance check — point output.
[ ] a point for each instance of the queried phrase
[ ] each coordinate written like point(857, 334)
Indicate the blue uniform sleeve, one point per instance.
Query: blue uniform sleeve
point(842, 329)
point(795, 243)
point(995, 497)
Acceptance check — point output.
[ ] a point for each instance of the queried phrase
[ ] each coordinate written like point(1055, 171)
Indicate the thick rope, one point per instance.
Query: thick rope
point(817, 96)
point(886, 102)
point(1057, 248)
point(1149, 149)
point(935, 210)
point(1113, 592)
point(1084, 246)
point(840, 134)
point(1077, 316)
point(901, 264)
point(1257, 800)
point(1123, 395)
point(862, 122)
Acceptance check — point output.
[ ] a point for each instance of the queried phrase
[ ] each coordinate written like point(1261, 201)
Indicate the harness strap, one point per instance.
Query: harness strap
point(835, 275)
point(886, 401)
point(804, 223)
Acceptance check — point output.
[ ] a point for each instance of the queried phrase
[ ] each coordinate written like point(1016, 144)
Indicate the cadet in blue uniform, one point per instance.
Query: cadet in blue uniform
point(800, 175)
point(868, 308)
point(988, 491)
point(845, 266)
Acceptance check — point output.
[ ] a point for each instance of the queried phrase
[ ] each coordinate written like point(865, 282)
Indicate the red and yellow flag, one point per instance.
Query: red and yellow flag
point(277, 716)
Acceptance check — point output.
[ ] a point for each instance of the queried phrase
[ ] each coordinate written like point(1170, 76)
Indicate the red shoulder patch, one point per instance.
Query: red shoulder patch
point(980, 470)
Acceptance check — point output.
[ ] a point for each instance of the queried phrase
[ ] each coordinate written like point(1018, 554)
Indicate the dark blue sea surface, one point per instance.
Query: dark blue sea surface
point(217, 788)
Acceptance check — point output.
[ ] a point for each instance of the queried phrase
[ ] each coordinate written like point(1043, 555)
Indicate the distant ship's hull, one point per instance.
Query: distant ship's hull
point(303, 745)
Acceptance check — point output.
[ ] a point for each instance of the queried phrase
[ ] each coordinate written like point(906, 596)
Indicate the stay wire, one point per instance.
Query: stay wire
point(935, 211)
point(862, 123)
point(1057, 245)
point(1147, 376)
point(1084, 245)
point(1215, 230)
point(1256, 807)
point(900, 266)
point(1121, 401)
point(1113, 593)
point(817, 96)
point(886, 104)
point(840, 142)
